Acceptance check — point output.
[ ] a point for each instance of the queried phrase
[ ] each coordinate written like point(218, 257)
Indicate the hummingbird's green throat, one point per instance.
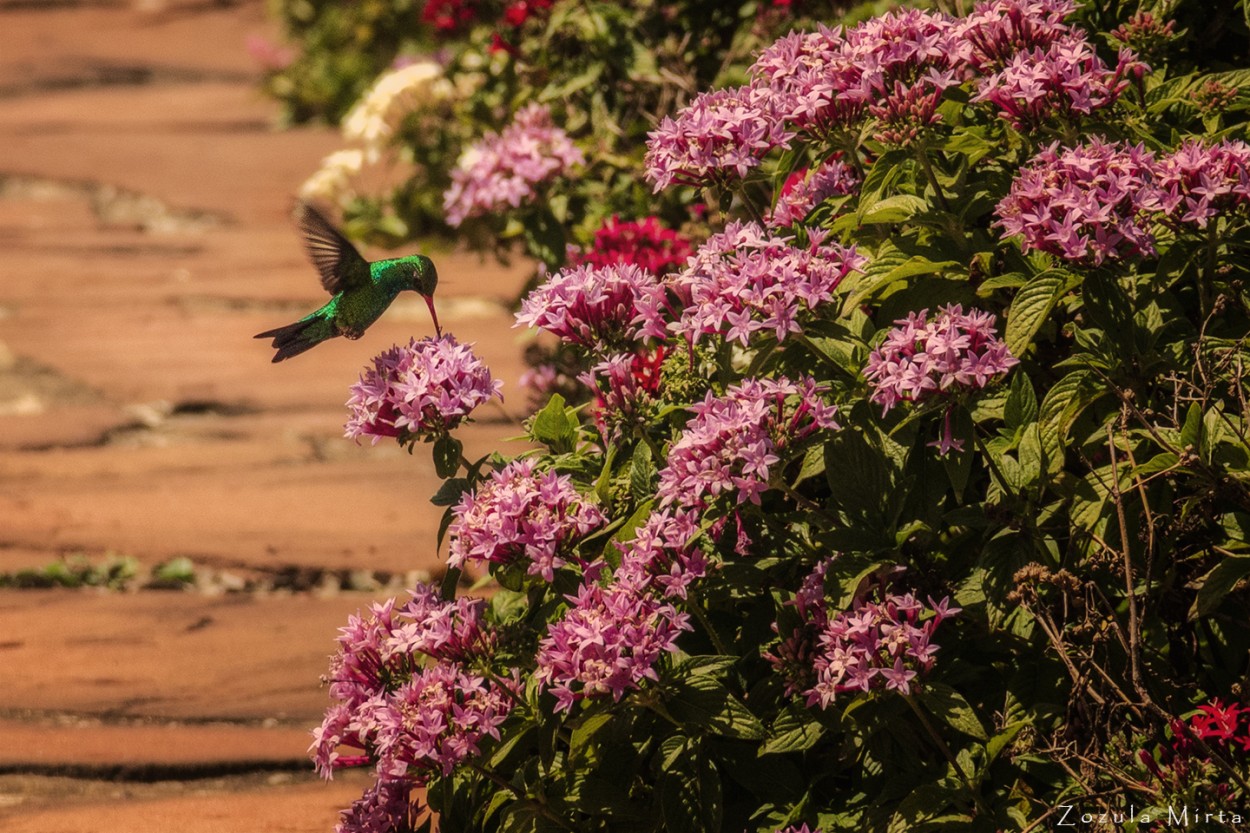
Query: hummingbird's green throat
point(361, 290)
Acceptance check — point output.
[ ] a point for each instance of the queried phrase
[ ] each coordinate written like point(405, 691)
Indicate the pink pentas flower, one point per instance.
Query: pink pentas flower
point(625, 385)
point(747, 280)
point(921, 358)
point(716, 140)
point(437, 719)
point(521, 515)
point(386, 807)
point(421, 390)
point(644, 243)
point(505, 170)
point(908, 60)
point(405, 700)
point(430, 626)
point(590, 306)
point(812, 82)
point(806, 189)
point(734, 441)
point(997, 30)
point(894, 67)
point(664, 554)
point(886, 644)
point(1065, 79)
point(1198, 183)
point(608, 641)
point(1086, 204)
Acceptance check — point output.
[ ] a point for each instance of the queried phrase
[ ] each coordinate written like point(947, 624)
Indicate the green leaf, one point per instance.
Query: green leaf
point(552, 426)
point(450, 492)
point(700, 702)
point(953, 709)
point(691, 799)
point(1060, 407)
point(1191, 431)
point(448, 452)
point(641, 473)
point(793, 731)
point(895, 209)
point(1021, 406)
point(1031, 307)
point(1218, 583)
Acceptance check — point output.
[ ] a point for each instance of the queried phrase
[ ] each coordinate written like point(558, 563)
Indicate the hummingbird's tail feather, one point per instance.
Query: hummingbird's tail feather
point(294, 339)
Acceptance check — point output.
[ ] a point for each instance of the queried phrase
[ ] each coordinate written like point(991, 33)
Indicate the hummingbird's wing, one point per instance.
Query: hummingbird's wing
point(340, 265)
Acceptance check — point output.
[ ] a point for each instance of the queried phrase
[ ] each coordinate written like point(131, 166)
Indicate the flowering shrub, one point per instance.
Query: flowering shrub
point(741, 586)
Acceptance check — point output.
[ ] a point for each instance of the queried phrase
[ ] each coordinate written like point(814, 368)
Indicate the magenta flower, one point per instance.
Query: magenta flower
point(805, 190)
point(1086, 204)
point(422, 390)
point(386, 807)
point(664, 554)
point(405, 699)
point(625, 386)
point(1063, 80)
point(608, 642)
point(746, 280)
point(521, 515)
point(642, 243)
point(591, 306)
point(270, 56)
point(894, 67)
point(717, 139)
point(505, 170)
point(734, 441)
point(812, 81)
point(874, 645)
point(1198, 183)
point(436, 720)
point(998, 30)
point(922, 358)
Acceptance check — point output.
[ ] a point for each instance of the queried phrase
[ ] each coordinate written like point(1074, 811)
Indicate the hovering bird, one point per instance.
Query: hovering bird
point(362, 290)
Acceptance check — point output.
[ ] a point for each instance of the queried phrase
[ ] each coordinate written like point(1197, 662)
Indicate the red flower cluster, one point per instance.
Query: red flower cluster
point(1185, 760)
point(644, 243)
point(449, 16)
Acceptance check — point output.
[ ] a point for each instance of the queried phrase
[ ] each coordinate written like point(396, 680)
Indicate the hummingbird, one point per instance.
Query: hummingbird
point(362, 289)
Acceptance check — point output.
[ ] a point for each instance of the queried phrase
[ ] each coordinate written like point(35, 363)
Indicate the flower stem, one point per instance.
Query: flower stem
point(696, 607)
point(923, 156)
point(950, 757)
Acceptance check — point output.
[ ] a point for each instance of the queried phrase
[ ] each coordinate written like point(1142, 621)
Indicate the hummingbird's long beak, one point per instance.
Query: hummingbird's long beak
point(429, 302)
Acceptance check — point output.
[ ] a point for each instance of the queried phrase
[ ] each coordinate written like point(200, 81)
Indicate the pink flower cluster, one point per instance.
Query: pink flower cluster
point(1197, 183)
point(424, 389)
point(746, 280)
point(644, 243)
point(405, 697)
point(1086, 204)
point(732, 443)
point(519, 514)
point(922, 357)
point(624, 385)
point(504, 170)
point(805, 190)
point(1065, 78)
point(608, 641)
point(664, 554)
point(386, 807)
point(874, 645)
point(590, 306)
point(997, 30)
point(894, 67)
point(718, 138)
